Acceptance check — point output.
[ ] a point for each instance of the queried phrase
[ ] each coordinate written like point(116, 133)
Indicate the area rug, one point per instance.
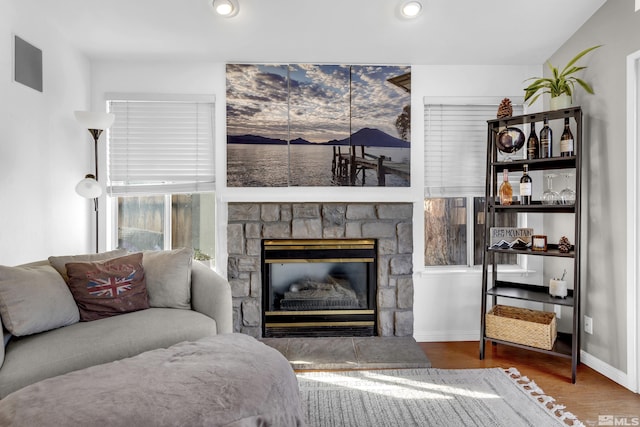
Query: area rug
point(428, 397)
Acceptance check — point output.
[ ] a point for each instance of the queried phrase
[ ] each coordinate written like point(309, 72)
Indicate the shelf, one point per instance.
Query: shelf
point(552, 250)
point(536, 164)
point(535, 206)
point(526, 292)
point(493, 288)
point(562, 346)
point(536, 117)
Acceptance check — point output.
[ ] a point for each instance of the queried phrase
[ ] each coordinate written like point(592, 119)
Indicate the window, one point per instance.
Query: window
point(455, 164)
point(143, 223)
point(160, 162)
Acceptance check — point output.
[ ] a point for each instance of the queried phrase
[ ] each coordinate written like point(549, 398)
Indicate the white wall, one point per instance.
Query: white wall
point(446, 306)
point(43, 153)
point(617, 26)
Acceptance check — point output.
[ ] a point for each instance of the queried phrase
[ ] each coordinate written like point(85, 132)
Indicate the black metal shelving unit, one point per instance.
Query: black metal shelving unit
point(567, 344)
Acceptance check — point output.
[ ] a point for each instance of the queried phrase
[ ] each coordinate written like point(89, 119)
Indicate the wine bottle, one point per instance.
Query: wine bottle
point(546, 140)
point(566, 140)
point(533, 143)
point(506, 192)
point(525, 186)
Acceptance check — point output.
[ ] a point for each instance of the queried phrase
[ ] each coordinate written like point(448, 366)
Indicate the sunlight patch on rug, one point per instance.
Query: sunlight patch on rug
point(396, 387)
point(428, 397)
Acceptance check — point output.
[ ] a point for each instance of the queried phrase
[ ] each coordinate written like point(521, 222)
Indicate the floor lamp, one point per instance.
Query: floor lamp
point(90, 187)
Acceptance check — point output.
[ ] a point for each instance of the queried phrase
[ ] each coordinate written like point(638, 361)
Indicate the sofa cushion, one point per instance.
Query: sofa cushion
point(168, 276)
point(36, 357)
point(34, 299)
point(59, 262)
point(108, 288)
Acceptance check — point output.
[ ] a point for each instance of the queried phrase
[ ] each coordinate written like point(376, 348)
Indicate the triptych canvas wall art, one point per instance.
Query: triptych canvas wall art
point(318, 125)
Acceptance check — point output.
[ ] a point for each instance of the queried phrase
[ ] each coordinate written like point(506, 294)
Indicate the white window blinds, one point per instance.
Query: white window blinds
point(455, 152)
point(159, 147)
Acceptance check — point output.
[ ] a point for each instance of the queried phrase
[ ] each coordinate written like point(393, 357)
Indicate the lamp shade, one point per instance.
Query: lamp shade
point(95, 120)
point(89, 188)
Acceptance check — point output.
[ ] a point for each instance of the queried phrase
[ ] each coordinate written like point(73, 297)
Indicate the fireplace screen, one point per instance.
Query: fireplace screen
point(319, 287)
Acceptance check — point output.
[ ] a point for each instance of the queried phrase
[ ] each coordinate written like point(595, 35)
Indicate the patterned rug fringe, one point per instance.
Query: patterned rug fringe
point(548, 402)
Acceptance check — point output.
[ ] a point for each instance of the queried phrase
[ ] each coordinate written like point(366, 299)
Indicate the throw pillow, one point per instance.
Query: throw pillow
point(169, 277)
point(59, 262)
point(108, 288)
point(34, 299)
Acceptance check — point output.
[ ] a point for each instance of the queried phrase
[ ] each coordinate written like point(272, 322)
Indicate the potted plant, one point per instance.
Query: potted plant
point(561, 85)
point(198, 255)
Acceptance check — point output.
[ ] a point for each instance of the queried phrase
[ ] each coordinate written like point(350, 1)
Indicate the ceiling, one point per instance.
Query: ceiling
point(516, 32)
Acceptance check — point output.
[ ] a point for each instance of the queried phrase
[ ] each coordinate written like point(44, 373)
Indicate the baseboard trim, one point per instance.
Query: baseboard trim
point(445, 336)
point(607, 370)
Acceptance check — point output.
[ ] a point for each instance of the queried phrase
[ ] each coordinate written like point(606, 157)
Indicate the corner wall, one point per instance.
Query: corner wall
point(615, 25)
point(43, 152)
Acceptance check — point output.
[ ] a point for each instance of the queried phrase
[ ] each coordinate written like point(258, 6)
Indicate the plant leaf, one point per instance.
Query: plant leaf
point(561, 82)
point(585, 85)
point(535, 98)
point(578, 56)
point(554, 71)
point(573, 70)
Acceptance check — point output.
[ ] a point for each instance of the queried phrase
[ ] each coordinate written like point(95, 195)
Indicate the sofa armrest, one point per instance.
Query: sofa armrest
point(211, 295)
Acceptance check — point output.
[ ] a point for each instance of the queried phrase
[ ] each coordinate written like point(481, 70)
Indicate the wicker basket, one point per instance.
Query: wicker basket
point(523, 326)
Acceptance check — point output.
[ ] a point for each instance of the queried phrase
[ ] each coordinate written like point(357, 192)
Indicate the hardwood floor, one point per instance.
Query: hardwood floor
point(592, 395)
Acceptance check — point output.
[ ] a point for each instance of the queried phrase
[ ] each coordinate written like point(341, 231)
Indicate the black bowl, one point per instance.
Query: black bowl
point(510, 140)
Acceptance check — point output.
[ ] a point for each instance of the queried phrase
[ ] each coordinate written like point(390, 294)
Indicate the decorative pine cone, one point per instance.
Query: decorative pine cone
point(505, 109)
point(564, 245)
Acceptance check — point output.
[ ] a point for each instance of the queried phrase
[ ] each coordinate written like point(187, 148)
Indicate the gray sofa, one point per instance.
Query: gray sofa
point(203, 308)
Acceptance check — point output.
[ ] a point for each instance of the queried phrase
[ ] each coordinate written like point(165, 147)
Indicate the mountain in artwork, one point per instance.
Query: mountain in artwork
point(366, 136)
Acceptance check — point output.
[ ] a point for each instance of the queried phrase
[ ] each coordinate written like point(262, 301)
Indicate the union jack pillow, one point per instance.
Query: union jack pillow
point(108, 288)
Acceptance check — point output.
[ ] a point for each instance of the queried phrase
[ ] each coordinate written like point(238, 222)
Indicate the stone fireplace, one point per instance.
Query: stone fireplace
point(389, 224)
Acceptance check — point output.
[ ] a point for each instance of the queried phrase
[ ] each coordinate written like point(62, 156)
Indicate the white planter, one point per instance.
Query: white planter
point(558, 288)
point(559, 102)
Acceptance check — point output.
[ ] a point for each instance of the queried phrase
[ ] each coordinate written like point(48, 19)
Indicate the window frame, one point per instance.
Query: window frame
point(523, 264)
point(112, 199)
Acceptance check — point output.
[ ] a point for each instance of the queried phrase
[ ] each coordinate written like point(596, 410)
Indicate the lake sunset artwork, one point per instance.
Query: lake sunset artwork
point(305, 125)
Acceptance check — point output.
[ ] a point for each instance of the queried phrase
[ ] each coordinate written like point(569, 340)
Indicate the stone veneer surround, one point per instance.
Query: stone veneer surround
point(389, 223)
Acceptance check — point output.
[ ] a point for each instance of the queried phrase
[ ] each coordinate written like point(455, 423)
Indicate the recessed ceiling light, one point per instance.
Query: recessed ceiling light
point(226, 8)
point(411, 9)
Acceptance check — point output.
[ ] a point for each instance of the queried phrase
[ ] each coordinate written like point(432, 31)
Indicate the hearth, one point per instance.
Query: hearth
point(324, 287)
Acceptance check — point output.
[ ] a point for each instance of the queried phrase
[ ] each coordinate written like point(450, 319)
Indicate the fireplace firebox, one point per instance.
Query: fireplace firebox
point(323, 287)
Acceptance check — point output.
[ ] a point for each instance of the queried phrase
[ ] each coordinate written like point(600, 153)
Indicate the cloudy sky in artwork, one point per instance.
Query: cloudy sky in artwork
point(319, 102)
